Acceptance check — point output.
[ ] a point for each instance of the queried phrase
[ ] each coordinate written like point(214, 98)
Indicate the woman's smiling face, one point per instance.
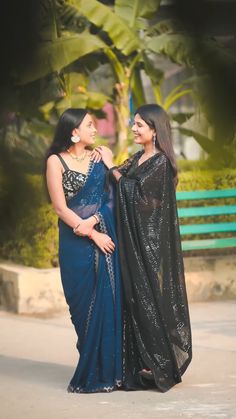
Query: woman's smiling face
point(87, 130)
point(143, 134)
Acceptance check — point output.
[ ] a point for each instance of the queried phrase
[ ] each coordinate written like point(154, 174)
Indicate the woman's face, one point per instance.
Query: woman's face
point(143, 134)
point(86, 130)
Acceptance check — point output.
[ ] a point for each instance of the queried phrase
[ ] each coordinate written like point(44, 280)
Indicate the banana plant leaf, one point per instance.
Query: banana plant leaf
point(102, 16)
point(131, 10)
point(40, 128)
point(181, 117)
point(164, 26)
point(53, 56)
point(199, 128)
point(102, 80)
point(184, 49)
point(180, 48)
point(220, 154)
point(151, 67)
point(86, 99)
point(69, 17)
point(71, 101)
point(96, 100)
point(206, 144)
point(75, 81)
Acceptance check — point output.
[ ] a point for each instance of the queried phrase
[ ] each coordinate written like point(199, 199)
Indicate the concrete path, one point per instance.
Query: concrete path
point(38, 357)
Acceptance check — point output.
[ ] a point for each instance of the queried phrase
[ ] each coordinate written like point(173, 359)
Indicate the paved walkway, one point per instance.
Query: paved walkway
point(38, 357)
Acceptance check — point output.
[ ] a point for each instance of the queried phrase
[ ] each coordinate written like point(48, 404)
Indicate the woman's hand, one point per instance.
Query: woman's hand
point(103, 241)
point(95, 156)
point(106, 155)
point(85, 226)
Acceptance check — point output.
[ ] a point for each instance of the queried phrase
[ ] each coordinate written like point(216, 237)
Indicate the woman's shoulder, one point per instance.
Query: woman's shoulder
point(53, 161)
point(162, 158)
point(162, 162)
point(133, 157)
point(137, 154)
point(52, 156)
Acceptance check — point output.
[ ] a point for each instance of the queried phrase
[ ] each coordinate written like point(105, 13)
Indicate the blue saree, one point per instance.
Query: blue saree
point(91, 283)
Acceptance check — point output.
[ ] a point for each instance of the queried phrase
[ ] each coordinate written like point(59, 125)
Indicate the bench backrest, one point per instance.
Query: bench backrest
point(205, 211)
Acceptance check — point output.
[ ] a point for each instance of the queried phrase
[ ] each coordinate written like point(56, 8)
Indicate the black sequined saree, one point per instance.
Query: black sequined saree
point(157, 333)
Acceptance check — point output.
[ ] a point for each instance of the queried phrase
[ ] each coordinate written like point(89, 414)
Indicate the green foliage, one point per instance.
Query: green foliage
point(206, 179)
point(28, 223)
point(56, 55)
point(103, 17)
point(190, 165)
point(221, 153)
point(69, 18)
point(63, 50)
point(23, 146)
point(131, 10)
point(183, 49)
point(35, 240)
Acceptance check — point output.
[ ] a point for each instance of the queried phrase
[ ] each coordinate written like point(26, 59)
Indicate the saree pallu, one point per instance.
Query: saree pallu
point(91, 284)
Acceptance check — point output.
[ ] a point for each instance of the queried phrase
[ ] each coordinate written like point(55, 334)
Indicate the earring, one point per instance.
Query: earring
point(75, 138)
point(154, 143)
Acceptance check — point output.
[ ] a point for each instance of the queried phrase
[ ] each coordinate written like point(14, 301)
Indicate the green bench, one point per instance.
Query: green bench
point(194, 211)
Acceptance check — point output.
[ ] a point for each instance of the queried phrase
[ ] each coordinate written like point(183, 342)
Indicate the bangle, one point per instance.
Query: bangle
point(75, 228)
point(90, 234)
point(96, 218)
point(113, 168)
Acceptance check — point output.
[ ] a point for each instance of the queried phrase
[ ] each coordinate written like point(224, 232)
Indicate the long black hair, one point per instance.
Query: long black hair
point(68, 121)
point(157, 119)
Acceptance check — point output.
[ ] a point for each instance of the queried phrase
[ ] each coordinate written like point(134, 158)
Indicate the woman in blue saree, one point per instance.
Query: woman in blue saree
point(83, 200)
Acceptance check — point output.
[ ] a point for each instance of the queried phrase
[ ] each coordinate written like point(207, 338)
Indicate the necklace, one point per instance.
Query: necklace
point(79, 159)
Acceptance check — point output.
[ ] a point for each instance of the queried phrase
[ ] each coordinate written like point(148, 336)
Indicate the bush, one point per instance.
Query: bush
point(190, 165)
point(28, 223)
point(206, 179)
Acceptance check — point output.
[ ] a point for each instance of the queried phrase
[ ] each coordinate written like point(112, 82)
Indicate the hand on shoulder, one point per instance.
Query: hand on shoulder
point(107, 155)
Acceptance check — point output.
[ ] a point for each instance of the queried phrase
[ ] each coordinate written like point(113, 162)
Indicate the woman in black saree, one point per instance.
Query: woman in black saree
point(157, 333)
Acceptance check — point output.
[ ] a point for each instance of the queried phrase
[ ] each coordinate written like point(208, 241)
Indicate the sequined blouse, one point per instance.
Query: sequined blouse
point(72, 180)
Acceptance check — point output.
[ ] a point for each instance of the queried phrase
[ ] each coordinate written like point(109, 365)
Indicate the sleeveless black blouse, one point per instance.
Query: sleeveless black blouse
point(72, 180)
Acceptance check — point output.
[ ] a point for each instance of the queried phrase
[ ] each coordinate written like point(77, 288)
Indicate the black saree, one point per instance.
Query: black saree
point(157, 333)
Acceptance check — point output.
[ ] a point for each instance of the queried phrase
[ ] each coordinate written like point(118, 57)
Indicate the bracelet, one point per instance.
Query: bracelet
point(90, 234)
point(113, 168)
point(96, 218)
point(75, 228)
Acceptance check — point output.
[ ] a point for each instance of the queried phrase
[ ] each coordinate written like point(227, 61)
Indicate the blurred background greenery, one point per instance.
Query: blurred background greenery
point(123, 53)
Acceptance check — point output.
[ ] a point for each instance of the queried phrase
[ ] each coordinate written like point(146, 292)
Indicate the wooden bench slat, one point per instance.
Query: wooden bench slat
point(206, 211)
point(212, 243)
point(191, 195)
point(208, 244)
point(207, 228)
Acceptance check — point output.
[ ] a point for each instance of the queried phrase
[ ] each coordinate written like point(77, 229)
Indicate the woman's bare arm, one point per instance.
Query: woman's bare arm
point(54, 183)
point(55, 189)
